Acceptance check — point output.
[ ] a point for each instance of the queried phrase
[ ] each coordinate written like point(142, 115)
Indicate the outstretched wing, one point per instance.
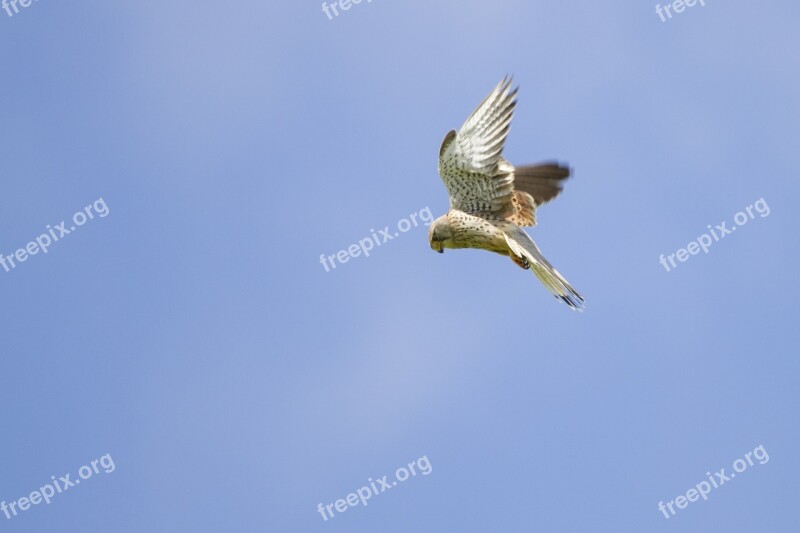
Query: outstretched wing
point(478, 180)
point(535, 185)
point(543, 181)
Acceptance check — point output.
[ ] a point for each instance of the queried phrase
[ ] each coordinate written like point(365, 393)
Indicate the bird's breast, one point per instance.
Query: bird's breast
point(471, 231)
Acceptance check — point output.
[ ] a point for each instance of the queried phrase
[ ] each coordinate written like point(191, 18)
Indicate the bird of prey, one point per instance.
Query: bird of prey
point(490, 199)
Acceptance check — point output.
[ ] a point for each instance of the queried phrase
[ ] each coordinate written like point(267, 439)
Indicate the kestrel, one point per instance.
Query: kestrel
point(490, 200)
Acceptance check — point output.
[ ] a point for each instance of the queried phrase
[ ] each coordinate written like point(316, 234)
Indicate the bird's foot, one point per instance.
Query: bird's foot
point(520, 261)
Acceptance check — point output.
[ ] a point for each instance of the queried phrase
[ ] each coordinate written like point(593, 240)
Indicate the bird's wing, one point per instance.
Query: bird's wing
point(478, 180)
point(524, 209)
point(521, 245)
point(535, 185)
point(543, 181)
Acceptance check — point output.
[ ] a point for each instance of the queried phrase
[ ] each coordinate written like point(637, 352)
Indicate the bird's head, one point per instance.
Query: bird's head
point(440, 235)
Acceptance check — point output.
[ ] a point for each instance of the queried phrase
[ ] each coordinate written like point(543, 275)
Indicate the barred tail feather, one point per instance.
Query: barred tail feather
point(523, 246)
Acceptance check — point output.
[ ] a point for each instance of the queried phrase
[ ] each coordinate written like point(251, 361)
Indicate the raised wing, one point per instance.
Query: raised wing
point(478, 180)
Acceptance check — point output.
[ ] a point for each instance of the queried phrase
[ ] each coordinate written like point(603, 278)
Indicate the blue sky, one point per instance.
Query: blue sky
point(194, 336)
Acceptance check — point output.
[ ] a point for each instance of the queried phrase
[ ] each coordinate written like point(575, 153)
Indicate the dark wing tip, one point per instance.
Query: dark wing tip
point(574, 300)
point(543, 181)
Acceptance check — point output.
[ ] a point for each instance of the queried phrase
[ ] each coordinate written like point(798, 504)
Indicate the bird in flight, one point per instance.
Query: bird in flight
point(490, 199)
